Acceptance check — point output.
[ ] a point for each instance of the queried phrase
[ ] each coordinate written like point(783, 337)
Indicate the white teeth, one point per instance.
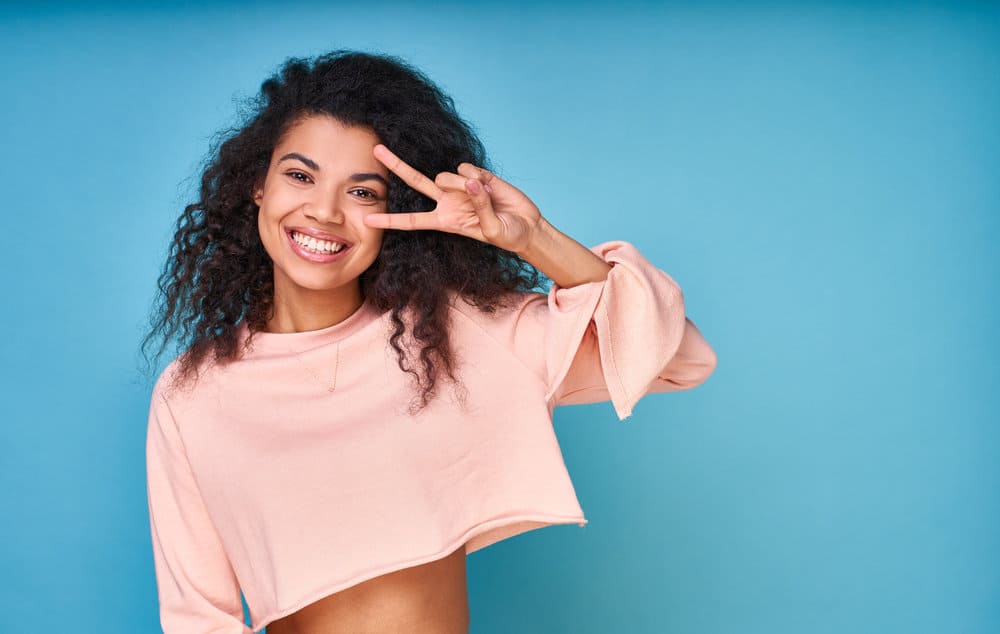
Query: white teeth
point(319, 246)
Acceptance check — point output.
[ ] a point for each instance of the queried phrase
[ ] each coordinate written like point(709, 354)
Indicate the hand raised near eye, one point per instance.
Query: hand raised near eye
point(474, 203)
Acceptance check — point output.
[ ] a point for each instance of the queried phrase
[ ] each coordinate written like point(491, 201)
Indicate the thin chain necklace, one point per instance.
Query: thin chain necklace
point(333, 384)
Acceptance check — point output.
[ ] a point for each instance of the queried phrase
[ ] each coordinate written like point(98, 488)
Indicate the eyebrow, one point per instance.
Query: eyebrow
point(311, 164)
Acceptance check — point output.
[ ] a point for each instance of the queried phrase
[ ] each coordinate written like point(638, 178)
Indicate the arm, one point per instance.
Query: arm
point(564, 260)
point(694, 361)
point(198, 591)
point(612, 327)
point(636, 310)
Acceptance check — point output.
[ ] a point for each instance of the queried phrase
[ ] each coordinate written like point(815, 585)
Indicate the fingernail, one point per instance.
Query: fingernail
point(487, 187)
point(473, 186)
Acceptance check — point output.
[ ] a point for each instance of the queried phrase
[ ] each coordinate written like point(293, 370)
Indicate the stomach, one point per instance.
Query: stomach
point(428, 598)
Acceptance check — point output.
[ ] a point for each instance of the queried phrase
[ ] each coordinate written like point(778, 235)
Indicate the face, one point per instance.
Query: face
point(321, 182)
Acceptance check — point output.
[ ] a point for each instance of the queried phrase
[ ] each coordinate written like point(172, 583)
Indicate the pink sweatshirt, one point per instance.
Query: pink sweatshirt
point(262, 479)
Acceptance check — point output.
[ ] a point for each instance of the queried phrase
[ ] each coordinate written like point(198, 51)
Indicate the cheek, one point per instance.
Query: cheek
point(270, 232)
point(263, 225)
point(268, 215)
point(260, 224)
point(375, 239)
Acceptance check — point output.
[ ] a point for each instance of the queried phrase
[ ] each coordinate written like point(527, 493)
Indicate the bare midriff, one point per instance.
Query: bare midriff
point(424, 599)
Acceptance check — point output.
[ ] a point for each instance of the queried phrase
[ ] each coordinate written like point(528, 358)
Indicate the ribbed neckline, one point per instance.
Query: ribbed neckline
point(299, 341)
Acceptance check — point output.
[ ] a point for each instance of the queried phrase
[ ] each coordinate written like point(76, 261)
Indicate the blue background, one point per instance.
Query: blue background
point(821, 179)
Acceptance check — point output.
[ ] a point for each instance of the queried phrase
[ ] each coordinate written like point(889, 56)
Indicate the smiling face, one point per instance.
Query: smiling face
point(321, 182)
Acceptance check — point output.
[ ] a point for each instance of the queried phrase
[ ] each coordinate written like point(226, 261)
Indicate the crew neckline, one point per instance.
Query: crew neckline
point(264, 341)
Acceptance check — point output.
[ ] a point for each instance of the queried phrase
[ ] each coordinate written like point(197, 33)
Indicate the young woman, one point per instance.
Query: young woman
point(351, 251)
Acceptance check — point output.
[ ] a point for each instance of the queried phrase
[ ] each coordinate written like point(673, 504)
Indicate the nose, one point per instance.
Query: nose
point(326, 208)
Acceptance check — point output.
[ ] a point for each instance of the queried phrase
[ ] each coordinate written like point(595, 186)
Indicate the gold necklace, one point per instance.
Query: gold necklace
point(333, 384)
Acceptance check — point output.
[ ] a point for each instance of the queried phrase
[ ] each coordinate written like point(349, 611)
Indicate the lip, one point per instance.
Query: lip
point(319, 235)
point(318, 258)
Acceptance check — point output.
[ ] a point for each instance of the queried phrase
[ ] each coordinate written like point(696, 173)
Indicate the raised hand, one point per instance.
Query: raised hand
point(474, 203)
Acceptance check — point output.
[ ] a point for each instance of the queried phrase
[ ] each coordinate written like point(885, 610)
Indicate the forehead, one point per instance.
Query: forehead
point(328, 140)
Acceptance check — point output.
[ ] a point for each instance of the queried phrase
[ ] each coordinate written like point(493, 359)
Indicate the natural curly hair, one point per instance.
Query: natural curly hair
point(217, 272)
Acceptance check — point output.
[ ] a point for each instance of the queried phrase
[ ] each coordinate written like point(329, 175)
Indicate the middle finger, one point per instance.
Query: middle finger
point(450, 180)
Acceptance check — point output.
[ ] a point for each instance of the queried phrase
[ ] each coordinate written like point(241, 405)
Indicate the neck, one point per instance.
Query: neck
point(312, 310)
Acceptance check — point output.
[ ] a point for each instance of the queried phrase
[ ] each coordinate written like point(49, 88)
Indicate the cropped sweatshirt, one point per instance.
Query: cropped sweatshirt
point(298, 471)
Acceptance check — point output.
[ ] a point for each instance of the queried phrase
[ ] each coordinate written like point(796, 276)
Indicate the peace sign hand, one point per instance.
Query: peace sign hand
point(473, 203)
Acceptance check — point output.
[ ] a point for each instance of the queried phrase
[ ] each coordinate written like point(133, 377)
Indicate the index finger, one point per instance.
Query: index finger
point(410, 176)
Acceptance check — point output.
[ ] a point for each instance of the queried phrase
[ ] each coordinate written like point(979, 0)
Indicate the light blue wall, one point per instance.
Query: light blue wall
point(822, 181)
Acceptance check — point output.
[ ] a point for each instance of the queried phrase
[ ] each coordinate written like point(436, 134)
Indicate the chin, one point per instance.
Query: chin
point(317, 283)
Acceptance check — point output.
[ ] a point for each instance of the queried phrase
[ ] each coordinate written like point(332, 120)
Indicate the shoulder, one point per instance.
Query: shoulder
point(166, 381)
point(176, 382)
point(514, 327)
point(509, 310)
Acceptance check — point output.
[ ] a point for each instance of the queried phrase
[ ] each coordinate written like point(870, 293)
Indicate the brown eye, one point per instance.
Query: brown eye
point(294, 174)
point(369, 194)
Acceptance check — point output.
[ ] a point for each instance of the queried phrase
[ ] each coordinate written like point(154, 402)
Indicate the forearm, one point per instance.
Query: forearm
point(564, 260)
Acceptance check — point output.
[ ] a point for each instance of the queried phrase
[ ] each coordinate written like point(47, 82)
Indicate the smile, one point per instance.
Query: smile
point(314, 250)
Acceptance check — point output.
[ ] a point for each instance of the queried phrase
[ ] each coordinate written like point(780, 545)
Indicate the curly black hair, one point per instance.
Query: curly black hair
point(217, 272)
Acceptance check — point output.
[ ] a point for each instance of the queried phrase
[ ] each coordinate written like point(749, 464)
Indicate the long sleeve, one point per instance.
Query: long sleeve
point(198, 591)
point(617, 339)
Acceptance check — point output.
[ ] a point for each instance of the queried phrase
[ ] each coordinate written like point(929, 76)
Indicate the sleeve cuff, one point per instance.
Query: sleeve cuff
point(638, 320)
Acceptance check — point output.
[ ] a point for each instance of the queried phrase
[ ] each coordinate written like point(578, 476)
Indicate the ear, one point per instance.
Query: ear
point(257, 194)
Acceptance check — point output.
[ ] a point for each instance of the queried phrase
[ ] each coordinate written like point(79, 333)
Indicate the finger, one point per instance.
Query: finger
point(404, 221)
point(489, 224)
point(448, 180)
point(408, 174)
point(486, 177)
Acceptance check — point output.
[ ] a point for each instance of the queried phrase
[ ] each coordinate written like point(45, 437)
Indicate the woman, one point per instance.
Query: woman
point(351, 250)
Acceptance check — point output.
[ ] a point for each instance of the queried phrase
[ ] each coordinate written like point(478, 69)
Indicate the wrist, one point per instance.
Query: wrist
point(542, 235)
point(561, 258)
